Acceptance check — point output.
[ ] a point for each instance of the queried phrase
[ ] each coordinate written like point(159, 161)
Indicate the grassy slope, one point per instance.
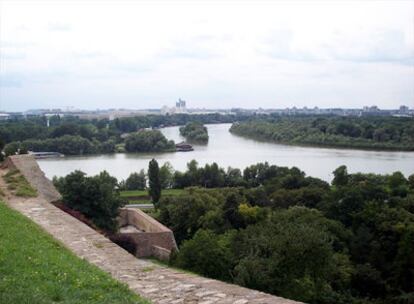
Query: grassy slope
point(18, 184)
point(34, 268)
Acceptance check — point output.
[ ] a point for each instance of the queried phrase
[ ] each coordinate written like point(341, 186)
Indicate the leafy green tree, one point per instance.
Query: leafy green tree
point(196, 208)
point(396, 180)
point(95, 197)
point(136, 181)
point(166, 175)
point(207, 254)
point(290, 255)
point(154, 181)
point(233, 177)
point(11, 148)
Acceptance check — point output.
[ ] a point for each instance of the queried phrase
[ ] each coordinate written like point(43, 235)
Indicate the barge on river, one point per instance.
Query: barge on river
point(183, 147)
point(41, 155)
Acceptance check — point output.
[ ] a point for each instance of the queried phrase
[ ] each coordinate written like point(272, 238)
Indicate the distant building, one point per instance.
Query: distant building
point(180, 104)
point(371, 109)
point(404, 110)
point(4, 116)
point(180, 107)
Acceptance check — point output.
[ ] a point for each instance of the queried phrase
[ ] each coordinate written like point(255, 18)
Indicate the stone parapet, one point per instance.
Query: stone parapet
point(150, 237)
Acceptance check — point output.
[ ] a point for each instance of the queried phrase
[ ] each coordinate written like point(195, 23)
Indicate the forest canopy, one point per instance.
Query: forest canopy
point(295, 236)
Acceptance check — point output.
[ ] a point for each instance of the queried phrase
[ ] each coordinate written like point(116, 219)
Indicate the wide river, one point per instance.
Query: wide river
point(227, 149)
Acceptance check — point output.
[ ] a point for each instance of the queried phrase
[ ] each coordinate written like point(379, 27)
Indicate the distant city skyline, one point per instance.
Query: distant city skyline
point(214, 55)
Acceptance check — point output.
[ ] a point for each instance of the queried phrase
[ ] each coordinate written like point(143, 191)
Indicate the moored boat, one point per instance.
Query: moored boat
point(183, 147)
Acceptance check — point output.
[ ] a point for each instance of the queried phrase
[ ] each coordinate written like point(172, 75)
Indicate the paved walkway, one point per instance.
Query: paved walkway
point(157, 283)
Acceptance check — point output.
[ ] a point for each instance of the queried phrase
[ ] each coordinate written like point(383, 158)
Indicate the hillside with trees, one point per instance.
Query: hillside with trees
point(377, 133)
point(277, 230)
point(195, 132)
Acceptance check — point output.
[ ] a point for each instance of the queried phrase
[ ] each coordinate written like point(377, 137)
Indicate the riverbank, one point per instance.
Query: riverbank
point(367, 133)
point(331, 145)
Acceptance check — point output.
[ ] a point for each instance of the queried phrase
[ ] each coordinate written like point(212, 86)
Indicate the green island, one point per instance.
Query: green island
point(195, 132)
point(148, 141)
point(34, 268)
point(376, 133)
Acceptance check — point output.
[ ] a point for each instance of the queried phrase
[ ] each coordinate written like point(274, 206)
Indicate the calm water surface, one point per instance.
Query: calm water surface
point(230, 150)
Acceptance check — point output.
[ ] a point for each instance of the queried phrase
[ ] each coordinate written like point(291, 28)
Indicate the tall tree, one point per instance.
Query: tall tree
point(340, 176)
point(154, 181)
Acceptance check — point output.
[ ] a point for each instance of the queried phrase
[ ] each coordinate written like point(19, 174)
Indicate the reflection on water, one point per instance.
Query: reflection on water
point(230, 150)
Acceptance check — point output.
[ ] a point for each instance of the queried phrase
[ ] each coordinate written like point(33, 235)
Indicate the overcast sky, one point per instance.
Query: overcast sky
point(214, 54)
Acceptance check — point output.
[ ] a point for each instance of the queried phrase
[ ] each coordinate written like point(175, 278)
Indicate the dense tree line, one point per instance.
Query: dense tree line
point(195, 132)
point(89, 136)
point(299, 237)
point(388, 133)
point(135, 123)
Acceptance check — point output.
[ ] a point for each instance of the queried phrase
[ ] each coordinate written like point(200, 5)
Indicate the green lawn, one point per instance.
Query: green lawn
point(144, 193)
point(36, 269)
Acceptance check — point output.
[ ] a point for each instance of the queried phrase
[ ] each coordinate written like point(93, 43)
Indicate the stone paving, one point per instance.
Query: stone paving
point(159, 284)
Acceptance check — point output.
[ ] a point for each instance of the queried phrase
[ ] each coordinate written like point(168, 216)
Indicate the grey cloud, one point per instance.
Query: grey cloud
point(197, 47)
point(11, 80)
point(279, 46)
point(11, 56)
point(89, 54)
point(60, 27)
point(383, 46)
point(16, 44)
point(187, 53)
point(132, 67)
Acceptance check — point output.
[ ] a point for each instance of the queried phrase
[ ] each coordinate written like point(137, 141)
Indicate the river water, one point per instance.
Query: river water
point(227, 149)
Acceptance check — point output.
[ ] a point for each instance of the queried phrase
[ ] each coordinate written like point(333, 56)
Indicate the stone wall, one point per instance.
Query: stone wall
point(153, 238)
